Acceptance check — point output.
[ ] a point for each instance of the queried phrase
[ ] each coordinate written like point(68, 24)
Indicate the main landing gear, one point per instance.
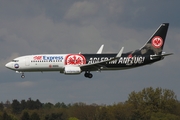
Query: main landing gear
point(88, 74)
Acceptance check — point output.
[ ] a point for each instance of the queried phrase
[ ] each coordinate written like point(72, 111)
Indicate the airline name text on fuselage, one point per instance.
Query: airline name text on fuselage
point(48, 57)
point(121, 60)
point(52, 57)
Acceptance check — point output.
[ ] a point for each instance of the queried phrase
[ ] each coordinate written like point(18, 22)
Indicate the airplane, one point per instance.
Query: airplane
point(72, 64)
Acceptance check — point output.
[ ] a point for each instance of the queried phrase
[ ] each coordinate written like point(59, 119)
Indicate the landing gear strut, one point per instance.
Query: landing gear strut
point(88, 74)
point(22, 76)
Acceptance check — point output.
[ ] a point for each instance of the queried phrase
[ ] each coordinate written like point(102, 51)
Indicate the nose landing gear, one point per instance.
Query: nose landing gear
point(88, 74)
point(22, 76)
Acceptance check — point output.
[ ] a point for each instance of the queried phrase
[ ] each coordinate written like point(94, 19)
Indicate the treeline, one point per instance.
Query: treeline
point(148, 104)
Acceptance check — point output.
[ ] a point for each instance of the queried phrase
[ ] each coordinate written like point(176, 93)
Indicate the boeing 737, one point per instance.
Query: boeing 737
point(71, 64)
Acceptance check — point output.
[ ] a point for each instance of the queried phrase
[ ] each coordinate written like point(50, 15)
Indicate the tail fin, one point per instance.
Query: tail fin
point(155, 44)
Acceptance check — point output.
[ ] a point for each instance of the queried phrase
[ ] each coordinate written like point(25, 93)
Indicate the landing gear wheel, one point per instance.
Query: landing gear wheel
point(23, 76)
point(88, 75)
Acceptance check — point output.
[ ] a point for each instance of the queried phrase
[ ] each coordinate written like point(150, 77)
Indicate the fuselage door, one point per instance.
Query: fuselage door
point(27, 61)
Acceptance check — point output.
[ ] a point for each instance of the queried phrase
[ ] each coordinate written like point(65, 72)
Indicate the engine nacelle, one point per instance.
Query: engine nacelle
point(72, 70)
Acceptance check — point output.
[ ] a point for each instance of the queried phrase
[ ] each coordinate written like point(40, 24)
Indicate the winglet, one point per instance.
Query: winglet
point(100, 50)
point(120, 53)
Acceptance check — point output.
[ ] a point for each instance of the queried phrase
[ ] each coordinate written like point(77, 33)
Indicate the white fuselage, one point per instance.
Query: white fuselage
point(44, 62)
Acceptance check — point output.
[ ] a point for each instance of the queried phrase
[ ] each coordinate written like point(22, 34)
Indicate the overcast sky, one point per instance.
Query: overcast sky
point(73, 26)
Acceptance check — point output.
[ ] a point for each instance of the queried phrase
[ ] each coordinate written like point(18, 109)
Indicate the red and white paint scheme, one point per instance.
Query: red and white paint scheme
point(75, 59)
point(71, 64)
point(157, 42)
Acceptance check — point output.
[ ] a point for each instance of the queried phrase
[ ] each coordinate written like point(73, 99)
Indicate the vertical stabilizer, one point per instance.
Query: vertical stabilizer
point(156, 42)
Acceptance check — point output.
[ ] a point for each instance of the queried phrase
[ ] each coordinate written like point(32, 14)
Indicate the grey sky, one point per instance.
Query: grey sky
point(61, 26)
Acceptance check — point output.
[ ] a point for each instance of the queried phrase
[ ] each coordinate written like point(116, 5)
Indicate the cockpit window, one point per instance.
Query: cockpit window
point(15, 60)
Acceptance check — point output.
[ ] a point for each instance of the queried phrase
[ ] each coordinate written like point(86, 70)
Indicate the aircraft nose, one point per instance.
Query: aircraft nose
point(9, 65)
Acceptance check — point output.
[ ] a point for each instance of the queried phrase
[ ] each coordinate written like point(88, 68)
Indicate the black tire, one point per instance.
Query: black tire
point(22, 76)
point(90, 75)
point(86, 75)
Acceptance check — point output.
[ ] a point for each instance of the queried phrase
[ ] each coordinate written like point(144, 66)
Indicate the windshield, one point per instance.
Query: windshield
point(15, 60)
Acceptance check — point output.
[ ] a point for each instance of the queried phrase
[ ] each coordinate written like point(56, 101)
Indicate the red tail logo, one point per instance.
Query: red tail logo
point(157, 42)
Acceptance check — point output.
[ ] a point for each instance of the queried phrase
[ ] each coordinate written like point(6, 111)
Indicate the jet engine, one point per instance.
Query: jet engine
point(72, 70)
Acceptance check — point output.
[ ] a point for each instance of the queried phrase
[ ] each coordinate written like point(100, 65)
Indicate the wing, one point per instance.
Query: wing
point(99, 65)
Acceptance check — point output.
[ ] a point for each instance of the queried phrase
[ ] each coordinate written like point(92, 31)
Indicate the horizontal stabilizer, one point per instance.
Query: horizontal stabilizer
point(158, 56)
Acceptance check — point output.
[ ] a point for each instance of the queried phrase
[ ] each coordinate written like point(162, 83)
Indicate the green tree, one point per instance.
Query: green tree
point(1, 106)
point(16, 106)
point(121, 111)
point(25, 116)
point(54, 116)
point(60, 105)
point(103, 113)
point(149, 101)
point(8, 104)
point(48, 105)
point(83, 111)
point(31, 104)
point(34, 116)
point(23, 104)
point(164, 116)
point(6, 116)
point(73, 118)
point(38, 104)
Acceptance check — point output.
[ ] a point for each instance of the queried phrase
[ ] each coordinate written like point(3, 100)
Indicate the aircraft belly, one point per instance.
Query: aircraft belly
point(39, 69)
point(117, 68)
point(114, 69)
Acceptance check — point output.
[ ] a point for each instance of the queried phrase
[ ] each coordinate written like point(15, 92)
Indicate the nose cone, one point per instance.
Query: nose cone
point(9, 65)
